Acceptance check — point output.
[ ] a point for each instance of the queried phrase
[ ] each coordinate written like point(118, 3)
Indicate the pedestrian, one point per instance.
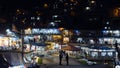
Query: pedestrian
point(67, 58)
point(60, 57)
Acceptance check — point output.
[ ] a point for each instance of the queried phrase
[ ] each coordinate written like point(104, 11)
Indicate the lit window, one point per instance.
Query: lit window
point(38, 18)
point(45, 5)
point(110, 53)
point(55, 16)
point(32, 18)
point(92, 2)
point(87, 8)
point(107, 23)
point(103, 53)
point(105, 27)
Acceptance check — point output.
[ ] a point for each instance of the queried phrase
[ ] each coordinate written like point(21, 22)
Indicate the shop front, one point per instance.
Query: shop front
point(41, 42)
point(99, 53)
point(10, 41)
point(41, 37)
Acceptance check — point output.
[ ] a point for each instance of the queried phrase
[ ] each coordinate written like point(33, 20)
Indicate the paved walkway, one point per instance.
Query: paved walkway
point(75, 66)
point(53, 62)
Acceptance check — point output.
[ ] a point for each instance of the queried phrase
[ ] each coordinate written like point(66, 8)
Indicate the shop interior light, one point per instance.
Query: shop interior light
point(8, 30)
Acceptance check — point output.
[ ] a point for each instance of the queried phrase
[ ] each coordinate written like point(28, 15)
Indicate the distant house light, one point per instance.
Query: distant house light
point(8, 30)
point(52, 23)
point(107, 22)
point(87, 8)
point(38, 18)
point(55, 16)
point(92, 2)
point(105, 27)
point(32, 18)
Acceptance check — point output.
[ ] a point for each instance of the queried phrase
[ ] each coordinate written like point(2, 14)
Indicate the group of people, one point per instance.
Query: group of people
point(63, 54)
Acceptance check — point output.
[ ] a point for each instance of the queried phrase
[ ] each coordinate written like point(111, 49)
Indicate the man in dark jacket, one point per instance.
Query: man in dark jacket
point(67, 58)
point(60, 57)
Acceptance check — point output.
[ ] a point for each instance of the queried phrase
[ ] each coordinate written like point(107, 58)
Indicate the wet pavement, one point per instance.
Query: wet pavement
point(75, 66)
point(53, 62)
point(73, 63)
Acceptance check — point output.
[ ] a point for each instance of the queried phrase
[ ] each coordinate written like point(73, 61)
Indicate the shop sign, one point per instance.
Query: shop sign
point(45, 31)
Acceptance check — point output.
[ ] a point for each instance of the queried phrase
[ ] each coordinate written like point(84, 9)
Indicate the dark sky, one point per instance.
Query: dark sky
point(31, 3)
point(82, 19)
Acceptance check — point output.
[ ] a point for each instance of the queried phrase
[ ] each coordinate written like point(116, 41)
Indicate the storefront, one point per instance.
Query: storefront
point(42, 37)
point(10, 41)
point(99, 52)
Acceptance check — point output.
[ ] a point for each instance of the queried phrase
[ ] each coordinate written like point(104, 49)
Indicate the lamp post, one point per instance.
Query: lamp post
point(22, 39)
point(22, 43)
point(117, 49)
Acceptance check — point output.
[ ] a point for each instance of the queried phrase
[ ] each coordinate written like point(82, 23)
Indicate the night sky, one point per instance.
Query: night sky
point(73, 13)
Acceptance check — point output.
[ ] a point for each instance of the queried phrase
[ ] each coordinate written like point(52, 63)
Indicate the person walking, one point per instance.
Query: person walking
point(60, 57)
point(67, 58)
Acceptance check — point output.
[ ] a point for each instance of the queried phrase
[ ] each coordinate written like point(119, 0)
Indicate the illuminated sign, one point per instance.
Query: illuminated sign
point(42, 31)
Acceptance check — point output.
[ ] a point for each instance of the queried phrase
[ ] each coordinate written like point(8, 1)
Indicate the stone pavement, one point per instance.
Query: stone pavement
point(75, 66)
point(53, 62)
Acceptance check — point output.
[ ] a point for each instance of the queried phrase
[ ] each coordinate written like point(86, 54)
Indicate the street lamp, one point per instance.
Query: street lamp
point(22, 38)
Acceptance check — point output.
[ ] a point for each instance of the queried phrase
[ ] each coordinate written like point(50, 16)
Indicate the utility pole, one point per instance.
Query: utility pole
point(117, 49)
point(22, 43)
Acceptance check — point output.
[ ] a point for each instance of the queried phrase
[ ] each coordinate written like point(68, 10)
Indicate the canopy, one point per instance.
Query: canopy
point(36, 44)
point(70, 48)
point(39, 44)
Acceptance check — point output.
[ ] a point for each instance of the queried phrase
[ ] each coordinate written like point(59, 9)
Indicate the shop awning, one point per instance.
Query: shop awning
point(37, 44)
point(70, 48)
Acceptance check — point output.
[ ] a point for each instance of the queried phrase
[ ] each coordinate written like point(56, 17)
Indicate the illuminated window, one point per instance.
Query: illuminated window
point(103, 53)
point(110, 53)
point(45, 5)
point(87, 8)
point(38, 18)
point(92, 2)
point(116, 12)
